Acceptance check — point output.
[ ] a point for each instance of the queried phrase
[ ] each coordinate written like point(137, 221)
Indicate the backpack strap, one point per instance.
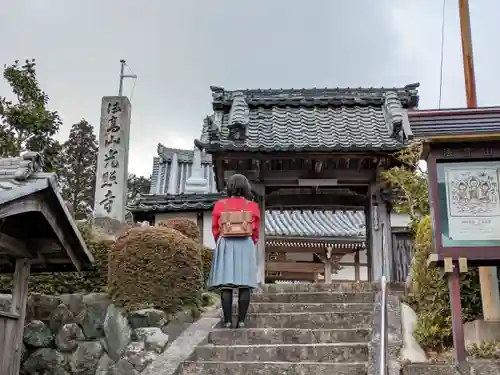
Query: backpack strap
point(245, 205)
point(224, 202)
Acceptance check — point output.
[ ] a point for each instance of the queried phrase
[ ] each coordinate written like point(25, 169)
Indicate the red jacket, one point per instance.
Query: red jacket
point(236, 204)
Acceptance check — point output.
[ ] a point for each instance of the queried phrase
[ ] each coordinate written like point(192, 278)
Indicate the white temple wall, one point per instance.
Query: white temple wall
point(208, 237)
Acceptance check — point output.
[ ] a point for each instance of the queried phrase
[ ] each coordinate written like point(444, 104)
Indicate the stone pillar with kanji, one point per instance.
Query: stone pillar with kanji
point(112, 163)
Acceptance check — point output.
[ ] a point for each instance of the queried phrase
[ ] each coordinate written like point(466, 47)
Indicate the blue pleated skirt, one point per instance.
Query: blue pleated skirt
point(234, 264)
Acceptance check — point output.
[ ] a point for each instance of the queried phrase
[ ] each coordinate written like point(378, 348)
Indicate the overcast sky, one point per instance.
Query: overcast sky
point(179, 48)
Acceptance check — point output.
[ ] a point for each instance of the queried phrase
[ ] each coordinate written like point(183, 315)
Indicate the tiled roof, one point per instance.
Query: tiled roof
point(308, 119)
point(278, 223)
point(20, 176)
point(162, 168)
point(460, 121)
point(316, 224)
point(173, 202)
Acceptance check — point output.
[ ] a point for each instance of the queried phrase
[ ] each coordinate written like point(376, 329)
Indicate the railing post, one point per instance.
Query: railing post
point(383, 327)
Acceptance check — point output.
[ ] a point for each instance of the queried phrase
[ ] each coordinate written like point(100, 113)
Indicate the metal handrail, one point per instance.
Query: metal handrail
point(383, 311)
point(383, 328)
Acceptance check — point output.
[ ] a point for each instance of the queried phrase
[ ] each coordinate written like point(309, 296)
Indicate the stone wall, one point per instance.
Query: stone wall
point(88, 335)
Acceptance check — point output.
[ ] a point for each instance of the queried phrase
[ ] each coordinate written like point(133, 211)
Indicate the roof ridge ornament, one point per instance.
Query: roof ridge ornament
point(238, 116)
point(30, 162)
point(197, 183)
point(396, 117)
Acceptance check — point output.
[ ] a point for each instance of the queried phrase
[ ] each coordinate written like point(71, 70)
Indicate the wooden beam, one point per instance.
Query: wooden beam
point(295, 276)
point(318, 201)
point(14, 247)
point(289, 266)
point(341, 175)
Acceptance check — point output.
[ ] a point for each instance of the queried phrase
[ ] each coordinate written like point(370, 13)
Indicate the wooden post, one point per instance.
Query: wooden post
point(12, 323)
point(456, 314)
point(328, 271)
point(470, 80)
point(490, 294)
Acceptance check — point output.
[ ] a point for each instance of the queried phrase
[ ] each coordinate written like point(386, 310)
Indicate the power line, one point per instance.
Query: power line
point(442, 55)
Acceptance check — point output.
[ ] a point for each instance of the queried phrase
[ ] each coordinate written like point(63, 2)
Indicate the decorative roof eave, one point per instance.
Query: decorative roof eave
point(408, 95)
point(316, 239)
point(215, 146)
point(173, 202)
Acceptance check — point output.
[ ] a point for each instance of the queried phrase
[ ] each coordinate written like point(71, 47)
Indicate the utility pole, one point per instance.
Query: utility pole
point(123, 75)
point(488, 278)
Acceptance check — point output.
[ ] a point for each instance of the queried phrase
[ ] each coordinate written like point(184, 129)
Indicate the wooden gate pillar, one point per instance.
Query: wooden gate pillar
point(12, 322)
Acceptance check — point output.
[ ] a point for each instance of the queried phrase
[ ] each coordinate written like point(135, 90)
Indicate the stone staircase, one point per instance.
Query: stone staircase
point(300, 329)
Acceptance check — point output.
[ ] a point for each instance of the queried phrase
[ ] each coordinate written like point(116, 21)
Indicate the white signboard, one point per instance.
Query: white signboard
point(473, 202)
point(112, 162)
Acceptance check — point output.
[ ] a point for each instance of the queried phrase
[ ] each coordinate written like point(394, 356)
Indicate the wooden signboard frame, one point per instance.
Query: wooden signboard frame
point(477, 162)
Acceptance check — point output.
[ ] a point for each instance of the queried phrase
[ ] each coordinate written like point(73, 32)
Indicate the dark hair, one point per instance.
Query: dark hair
point(238, 186)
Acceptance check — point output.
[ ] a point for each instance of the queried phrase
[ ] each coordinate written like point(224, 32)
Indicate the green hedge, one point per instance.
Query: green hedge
point(430, 295)
point(206, 257)
point(155, 267)
point(94, 280)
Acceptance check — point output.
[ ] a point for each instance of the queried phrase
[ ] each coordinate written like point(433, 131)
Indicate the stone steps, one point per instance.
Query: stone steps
point(428, 369)
point(271, 368)
point(315, 288)
point(263, 336)
point(313, 297)
point(272, 307)
point(293, 329)
point(310, 320)
point(337, 352)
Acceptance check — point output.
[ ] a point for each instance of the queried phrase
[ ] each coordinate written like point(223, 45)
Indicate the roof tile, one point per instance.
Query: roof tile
point(308, 119)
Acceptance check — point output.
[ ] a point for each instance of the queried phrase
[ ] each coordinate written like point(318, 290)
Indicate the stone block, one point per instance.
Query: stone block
point(343, 352)
point(271, 368)
point(316, 297)
point(327, 320)
point(265, 336)
point(271, 307)
point(339, 287)
point(480, 331)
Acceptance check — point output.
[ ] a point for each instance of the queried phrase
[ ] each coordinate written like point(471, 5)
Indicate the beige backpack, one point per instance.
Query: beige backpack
point(236, 223)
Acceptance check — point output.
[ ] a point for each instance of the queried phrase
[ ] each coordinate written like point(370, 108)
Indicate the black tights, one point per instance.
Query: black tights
point(227, 304)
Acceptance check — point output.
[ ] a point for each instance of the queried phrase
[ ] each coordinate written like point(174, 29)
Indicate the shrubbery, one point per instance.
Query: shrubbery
point(184, 225)
point(155, 267)
point(94, 280)
point(206, 257)
point(430, 295)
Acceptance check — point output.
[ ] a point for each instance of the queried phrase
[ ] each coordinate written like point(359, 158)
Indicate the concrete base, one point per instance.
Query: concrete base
point(480, 331)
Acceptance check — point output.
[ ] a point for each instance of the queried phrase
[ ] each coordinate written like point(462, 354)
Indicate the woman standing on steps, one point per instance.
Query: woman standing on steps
point(235, 225)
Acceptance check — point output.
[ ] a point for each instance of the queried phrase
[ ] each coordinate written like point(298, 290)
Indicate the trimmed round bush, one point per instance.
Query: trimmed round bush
point(430, 295)
point(155, 267)
point(184, 225)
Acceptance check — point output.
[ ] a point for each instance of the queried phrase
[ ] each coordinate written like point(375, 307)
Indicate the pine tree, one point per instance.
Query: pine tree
point(78, 164)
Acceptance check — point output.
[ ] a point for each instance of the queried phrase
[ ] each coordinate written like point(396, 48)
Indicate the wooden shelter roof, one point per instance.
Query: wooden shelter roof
point(34, 220)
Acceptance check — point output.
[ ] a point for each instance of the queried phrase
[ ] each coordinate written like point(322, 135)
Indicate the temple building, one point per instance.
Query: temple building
point(314, 158)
